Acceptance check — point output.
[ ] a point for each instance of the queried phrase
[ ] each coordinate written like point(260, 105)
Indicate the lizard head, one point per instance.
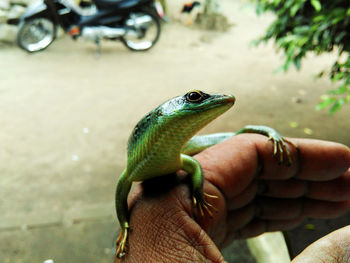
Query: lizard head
point(194, 110)
point(198, 104)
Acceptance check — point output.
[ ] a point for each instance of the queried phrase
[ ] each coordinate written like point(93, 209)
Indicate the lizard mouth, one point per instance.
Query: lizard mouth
point(230, 99)
point(224, 100)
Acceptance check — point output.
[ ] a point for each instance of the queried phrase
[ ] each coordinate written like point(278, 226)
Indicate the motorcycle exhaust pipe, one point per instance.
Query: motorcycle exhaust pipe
point(94, 33)
point(98, 32)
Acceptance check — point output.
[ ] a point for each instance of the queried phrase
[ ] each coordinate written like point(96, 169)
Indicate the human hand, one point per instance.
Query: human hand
point(256, 195)
point(332, 248)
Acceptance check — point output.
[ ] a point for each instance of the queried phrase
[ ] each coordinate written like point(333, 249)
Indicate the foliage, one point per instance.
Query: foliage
point(304, 26)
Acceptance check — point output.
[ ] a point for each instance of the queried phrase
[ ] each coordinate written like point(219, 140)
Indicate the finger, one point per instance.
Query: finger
point(228, 167)
point(315, 160)
point(232, 170)
point(322, 160)
point(280, 209)
point(291, 188)
point(245, 197)
point(242, 223)
point(273, 167)
point(259, 226)
point(325, 209)
point(334, 190)
point(241, 217)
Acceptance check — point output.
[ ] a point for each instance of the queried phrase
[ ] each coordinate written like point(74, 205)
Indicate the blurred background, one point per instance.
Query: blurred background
point(66, 114)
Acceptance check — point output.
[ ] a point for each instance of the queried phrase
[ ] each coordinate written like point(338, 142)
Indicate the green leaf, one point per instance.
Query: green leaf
point(310, 227)
point(316, 4)
point(341, 90)
point(337, 20)
point(259, 9)
point(256, 42)
point(340, 36)
point(286, 65)
point(302, 41)
point(319, 18)
point(325, 103)
point(336, 106)
point(297, 62)
point(294, 9)
point(277, 2)
point(301, 29)
point(338, 76)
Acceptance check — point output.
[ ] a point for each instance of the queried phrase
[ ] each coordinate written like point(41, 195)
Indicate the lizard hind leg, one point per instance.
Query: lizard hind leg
point(121, 196)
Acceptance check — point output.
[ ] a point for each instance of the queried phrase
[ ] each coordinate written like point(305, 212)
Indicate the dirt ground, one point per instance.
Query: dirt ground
point(65, 118)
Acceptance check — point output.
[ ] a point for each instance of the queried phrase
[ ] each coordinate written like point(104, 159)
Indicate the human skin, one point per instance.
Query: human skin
point(256, 195)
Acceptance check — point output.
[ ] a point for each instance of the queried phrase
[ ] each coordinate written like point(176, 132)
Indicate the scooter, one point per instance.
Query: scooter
point(134, 22)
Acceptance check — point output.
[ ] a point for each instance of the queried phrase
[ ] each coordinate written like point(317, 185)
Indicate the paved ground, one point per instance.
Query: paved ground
point(66, 116)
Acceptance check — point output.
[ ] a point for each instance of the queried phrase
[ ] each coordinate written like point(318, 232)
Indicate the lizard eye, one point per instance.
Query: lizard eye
point(194, 96)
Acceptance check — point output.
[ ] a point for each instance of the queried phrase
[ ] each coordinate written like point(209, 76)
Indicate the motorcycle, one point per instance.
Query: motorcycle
point(134, 22)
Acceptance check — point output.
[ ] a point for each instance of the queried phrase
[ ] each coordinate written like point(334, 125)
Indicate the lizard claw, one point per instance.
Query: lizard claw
point(121, 243)
point(205, 206)
point(280, 147)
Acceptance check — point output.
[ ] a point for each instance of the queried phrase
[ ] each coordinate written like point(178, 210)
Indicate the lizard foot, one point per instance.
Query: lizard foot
point(121, 243)
point(205, 206)
point(280, 147)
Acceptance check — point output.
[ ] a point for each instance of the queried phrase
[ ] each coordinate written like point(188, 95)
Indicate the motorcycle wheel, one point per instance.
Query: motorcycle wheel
point(144, 36)
point(36, 34)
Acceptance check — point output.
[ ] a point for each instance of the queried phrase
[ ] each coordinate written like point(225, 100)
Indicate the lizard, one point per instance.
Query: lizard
point(163, 142)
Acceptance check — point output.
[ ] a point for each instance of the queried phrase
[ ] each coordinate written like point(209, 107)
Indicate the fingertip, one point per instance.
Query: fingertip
point(322, 160)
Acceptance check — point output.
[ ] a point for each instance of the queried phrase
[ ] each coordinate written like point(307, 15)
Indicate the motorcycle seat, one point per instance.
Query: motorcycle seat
point(115, 4)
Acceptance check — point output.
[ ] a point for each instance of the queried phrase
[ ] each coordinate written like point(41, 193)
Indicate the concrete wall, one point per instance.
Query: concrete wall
point(10, 11)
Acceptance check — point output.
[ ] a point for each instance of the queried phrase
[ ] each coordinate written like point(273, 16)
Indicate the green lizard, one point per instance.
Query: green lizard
point(161, 144)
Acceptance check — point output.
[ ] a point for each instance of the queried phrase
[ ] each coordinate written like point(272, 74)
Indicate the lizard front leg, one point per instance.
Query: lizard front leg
point(193, 167)
point(279, 142)
point(200, 142)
